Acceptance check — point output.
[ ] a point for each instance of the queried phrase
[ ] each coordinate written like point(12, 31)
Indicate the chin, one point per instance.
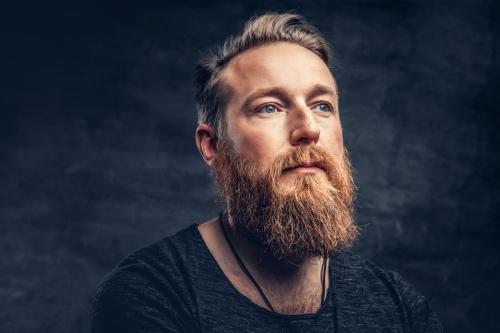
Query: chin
point(303, 181)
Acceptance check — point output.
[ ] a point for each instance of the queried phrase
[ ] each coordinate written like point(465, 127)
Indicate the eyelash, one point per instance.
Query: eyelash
point(330, 108)
point(261, 108)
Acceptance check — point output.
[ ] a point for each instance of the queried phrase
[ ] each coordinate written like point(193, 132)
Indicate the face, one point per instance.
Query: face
point(280, 167)
point(281, 96)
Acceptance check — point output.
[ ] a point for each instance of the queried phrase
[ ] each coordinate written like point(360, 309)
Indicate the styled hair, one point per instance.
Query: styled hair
point(268, 28)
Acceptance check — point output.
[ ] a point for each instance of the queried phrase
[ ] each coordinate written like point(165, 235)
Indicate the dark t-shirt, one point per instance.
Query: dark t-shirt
point(175, 285)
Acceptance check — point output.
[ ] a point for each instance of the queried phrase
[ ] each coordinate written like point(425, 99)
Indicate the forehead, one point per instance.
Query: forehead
point(284, 65)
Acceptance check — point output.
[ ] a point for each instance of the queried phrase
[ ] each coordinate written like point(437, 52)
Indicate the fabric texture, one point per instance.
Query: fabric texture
point(175, 285)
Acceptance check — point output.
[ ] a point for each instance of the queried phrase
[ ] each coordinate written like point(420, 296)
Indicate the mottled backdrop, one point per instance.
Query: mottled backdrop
point(97, 156)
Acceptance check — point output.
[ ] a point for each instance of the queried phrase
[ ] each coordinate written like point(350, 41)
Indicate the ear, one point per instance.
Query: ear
point(206, 143)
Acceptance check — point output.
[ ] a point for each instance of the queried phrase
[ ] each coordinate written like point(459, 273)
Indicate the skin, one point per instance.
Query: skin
point(282, 96)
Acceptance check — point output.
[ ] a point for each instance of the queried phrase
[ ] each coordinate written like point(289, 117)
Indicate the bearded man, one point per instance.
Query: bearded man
point(275, 259)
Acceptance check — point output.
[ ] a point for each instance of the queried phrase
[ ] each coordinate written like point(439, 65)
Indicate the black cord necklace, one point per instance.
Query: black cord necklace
point(247, 272)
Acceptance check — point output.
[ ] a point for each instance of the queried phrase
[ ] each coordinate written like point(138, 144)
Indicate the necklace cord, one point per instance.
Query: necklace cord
point(249, 275)
point(242, 265)
point(324, 266)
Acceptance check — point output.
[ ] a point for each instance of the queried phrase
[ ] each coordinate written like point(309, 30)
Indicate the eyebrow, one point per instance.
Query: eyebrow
point(281, 93)
point(319, 89)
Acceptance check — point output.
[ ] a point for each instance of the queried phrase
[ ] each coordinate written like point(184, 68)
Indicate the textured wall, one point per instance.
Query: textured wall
point(98, 158)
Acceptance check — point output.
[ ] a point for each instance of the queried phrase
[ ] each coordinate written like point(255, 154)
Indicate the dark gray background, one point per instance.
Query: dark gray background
point(98, 157)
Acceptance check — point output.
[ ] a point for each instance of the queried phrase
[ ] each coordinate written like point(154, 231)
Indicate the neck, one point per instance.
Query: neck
point(257, 256)
point(284, 282)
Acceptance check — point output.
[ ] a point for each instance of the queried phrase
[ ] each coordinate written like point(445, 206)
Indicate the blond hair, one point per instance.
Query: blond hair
point(271, 27)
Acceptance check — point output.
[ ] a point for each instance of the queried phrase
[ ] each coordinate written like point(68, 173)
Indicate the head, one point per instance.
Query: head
point(269, 127)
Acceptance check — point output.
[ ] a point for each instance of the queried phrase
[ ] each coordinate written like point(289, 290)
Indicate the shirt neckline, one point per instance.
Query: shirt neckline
point(329, 294)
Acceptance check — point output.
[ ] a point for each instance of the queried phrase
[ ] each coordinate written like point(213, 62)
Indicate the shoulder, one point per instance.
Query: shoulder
point(165, 260)
point(152, 282)
point(358, 270)
point(170, 256)
point(365, 281)
point(364, 269)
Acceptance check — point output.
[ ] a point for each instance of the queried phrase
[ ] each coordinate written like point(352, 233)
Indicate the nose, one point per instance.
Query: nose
point(304, 127)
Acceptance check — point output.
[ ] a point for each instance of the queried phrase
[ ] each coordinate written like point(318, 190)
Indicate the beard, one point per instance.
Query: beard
point(310, 216)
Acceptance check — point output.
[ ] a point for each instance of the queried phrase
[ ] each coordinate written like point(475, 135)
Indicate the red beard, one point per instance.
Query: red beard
point(313, 216)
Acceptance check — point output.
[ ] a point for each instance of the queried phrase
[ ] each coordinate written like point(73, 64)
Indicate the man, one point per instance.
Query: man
point(275, 259)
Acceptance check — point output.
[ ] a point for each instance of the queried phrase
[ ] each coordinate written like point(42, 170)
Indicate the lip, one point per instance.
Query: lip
point(306, 168)
point(308, 165)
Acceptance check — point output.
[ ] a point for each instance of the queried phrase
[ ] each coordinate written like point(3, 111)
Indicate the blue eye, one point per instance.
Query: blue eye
point(267, 109)
point(323, 107)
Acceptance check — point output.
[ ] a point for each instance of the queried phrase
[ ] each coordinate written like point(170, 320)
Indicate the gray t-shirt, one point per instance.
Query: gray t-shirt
point(175, 285)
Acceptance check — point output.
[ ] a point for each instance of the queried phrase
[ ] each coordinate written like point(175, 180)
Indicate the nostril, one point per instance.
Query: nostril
point(304, 136)
point(304, 140)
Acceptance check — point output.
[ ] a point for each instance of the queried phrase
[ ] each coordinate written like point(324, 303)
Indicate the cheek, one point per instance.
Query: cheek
point(258, 143)
point(339, 140)
point(331, 138)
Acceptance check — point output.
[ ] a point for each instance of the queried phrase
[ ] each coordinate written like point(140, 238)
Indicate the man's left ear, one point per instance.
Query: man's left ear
point(206, 142)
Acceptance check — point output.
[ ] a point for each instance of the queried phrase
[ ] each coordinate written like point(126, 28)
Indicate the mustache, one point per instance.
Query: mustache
point(303, 156)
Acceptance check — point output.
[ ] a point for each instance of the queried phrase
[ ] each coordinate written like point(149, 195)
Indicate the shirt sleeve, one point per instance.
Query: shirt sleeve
point(137, 299)
point(419, 315)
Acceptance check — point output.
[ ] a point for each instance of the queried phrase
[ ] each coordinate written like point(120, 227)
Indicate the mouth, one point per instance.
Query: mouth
point(304, 167)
